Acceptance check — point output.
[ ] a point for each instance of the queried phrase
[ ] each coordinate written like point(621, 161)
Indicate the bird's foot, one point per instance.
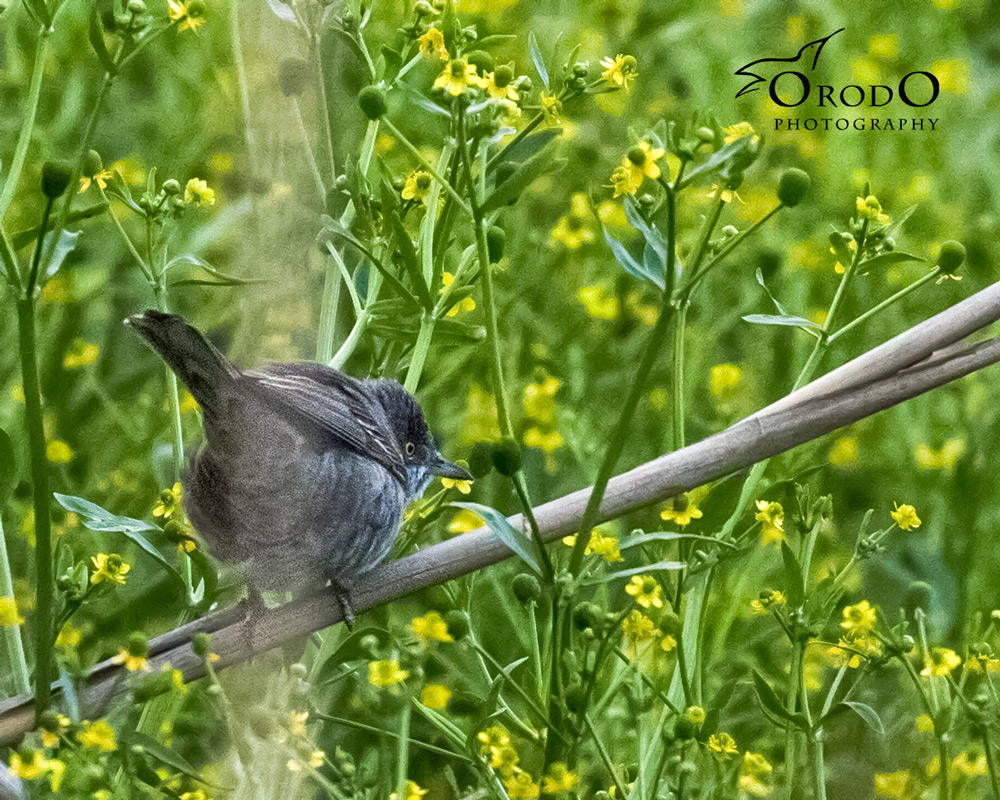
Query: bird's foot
point(343, 597)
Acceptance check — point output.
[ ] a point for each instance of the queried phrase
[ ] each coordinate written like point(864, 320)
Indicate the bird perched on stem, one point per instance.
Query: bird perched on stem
point(305, 471)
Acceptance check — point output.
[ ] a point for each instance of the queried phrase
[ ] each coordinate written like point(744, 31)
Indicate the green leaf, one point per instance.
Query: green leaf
point(793, 576)
point(769, 700)
point(8, 467)
point(528, 147)
point(868, 714)
point(537, 60)
point(218, 278)
point(96, 35)
point(65, 244)
point(520, 179)
point(40, 11)
point(790, 321)
point(166, 756)
point(885, 260)
point(722, 160)
point(631, 266)
point(407, 252)
point(516, 541)
point(349, 651)
point(334, 230)
point(100, 519)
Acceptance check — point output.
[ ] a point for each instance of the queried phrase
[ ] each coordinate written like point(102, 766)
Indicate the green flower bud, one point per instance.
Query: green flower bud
point(793, 186)
point(586, 615)
point(481, 60)
point(92, 163)
point(136, 7)
point(684, 728)
point(55, 178)
point(495, 240)
point(707, 135)
point(293, 76)
point(919, 595)
point(458, 624)
point(580, 69)
point(952, 257)
point(202, 645)
point(369, 645)
point(906, 644)
point(423, 9)
point(171, 187)
point(503, 75)
point(372, 102)
point(574, 697)
point(481, 459)
point(526, 588)
point(507, 456)
point(298, 670)
point(138, 645)
point(151, 686)
point(196, 8)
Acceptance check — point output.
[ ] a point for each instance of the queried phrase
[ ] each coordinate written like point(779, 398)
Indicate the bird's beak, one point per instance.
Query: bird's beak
point(445, 469)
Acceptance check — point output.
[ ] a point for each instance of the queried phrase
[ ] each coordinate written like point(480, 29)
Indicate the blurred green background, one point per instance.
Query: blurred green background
point(178, 108)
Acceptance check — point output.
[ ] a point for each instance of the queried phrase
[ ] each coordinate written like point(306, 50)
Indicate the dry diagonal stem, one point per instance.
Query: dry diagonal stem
point(922, 358)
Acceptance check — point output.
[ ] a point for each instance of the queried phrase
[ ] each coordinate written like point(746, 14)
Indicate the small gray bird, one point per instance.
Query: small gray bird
point(305, 471)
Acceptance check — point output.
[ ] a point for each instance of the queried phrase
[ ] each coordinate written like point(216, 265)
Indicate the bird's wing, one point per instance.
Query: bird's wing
point(338, 404)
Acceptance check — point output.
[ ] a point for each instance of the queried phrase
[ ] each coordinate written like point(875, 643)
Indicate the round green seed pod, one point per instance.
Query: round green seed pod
point(202, 645)
point(496, 238)
point(507, 456)
point(55, 178)
point(952, 256)
point(458, 624)
point(293, 76)
point(138, 645)
point(526, 588)
point(481, 459)
point(372, 102)
point(684, 728)
point(793, 186)
point(919, 595)
point(481, 60)
point(92, 163)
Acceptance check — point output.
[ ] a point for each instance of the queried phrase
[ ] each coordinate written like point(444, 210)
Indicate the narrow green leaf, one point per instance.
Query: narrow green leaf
point(885, 260)
point(793, 576)
point(630, 265)
point(769, 700)
point(8, 467)
point(516, 541)
point(537, 60)
point(520, 179)
point(868, 714)
point(96, 35)
point(790, 321)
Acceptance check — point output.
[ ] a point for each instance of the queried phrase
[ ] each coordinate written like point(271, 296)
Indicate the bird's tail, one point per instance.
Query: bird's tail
point(199, 365)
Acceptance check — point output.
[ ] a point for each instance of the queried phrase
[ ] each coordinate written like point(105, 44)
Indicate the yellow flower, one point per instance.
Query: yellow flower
point(465, 521)
point(132, 663)
point(38, 767)
point(723, 379)
point(386, 673)
point(100, 178)
point(644, 312)
point(432, 45)
point(80, 354)
point(98, 734)
point(894, 785)
point(695, 714)
point(430, 628)
point(559, 779)
point(755, 766)
point(905, 516)
point(722, 746)
point(58, 452)
point(188, 14)
point(458, 76)
point(501, 87)
point(463, 486)
point(492, 738)
point(598, 303)
point(297, 723)
point(737, 131)
point(963, 765)
point(169, 502)
point(546, 441)
point(621, 71)
point(188, 403)
point(870, 208)
point(844, 452)
point(940, 661)
point(109, 567)
point(640, 161)
point(572, 231)
point(850, 652)
point(520, 786)
point(622, 181)
point(197, 191)
point(51, 733)
point(638, 628)
point(925, 724)
point(413, 790)
point(772, 519)
point(645, 590)
point(9, 618)
point(197, 794)
point(435, 696)
point(69, 636)
point(768, 600)
point(944, 458)
point(551, 107)
point(465, 304)
point(418, 186)
point(600, 544)
point(668, 643)
point(681, 510)
point(859, 619)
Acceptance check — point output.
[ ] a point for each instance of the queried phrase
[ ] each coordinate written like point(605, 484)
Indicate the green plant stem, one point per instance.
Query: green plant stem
point(602, 751)
point(310, 156)
point(403, 750)
point(792, 734)
point(241, 79)
point(420, 349)
point(328, 310)
point(29, 286)
point(818, 769)
point(677, 381)
point(44, 585)
point(425, 164)
point(324, 109)
point(991, 764)
point(27, 123)
point(884, 304)
point(944, 754)
point(12, 633)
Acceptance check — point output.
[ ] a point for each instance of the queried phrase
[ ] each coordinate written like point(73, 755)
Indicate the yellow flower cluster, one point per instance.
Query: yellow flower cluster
point(430, 628)
point(540, 410)
point(637, 164)
point(573, 229)
point(682, 509)
point(772, 518)
point(599, 544)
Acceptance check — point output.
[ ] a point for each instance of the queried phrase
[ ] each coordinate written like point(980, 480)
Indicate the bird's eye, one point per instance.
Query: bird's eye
point(410, 448)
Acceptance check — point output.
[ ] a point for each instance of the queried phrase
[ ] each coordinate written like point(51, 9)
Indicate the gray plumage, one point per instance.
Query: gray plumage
point(305, 472)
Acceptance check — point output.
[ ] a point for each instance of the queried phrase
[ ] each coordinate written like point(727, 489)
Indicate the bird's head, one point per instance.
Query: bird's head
point(420, 453)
